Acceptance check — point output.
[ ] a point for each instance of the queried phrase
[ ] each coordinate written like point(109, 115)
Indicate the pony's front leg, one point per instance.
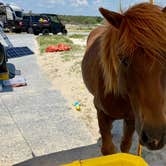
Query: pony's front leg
point(105, 125)
point(128, 131)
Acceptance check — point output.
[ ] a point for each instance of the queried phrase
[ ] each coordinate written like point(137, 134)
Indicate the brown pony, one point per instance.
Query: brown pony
point(124, 67)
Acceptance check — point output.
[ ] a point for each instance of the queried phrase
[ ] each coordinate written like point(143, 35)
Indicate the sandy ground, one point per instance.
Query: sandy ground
point(66, 77)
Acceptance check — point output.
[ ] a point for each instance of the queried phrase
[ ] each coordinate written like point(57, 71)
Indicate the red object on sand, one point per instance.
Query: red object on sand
point(59, 47)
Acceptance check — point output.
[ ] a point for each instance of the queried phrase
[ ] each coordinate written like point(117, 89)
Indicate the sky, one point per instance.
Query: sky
point(75, 7)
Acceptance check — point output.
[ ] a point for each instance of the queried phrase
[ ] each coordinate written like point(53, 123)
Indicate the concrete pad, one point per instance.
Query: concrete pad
point(11, 141)
point(34, 118)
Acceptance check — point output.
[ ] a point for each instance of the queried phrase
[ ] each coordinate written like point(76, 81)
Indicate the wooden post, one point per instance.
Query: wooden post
point(120, 6)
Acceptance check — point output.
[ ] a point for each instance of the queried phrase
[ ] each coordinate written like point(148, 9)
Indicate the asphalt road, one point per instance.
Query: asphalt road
point(34, 119)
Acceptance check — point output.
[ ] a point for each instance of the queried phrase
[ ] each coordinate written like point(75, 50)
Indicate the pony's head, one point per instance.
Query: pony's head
point(134, 65)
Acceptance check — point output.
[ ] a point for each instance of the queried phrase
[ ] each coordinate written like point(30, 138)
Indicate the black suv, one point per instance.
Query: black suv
point(43, 23)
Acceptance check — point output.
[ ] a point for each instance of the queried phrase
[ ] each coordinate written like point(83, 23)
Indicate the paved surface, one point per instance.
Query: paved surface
point(35, 119)
point(36, 128)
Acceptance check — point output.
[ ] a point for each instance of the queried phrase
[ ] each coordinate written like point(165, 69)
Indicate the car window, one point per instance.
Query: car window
point(54, 19)
point(40, 19)
point(35, 18)
point(26, 18)
point(18, 13)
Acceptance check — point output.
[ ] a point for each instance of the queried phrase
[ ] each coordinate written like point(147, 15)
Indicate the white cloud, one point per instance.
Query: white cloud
point(56, 2)
point(79, 2)
point(75, 3)
point(97, 1)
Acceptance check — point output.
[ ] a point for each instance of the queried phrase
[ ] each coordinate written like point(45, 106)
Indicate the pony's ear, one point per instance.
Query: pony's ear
point(113, 18)
point(164, 9)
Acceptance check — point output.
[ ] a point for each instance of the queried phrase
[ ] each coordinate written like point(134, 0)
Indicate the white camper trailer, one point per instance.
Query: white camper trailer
point(11, 17)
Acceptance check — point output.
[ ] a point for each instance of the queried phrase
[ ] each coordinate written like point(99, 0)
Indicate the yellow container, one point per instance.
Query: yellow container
point(4, 76)
point(119, 159)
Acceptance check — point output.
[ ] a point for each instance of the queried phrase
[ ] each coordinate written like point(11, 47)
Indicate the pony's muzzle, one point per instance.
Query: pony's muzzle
point(153, 141)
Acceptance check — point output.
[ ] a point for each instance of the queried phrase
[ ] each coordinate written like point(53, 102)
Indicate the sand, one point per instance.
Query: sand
point(67, 78)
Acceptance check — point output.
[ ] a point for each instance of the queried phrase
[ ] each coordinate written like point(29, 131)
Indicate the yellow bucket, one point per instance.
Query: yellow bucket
point(119, 159)
point(4, 76)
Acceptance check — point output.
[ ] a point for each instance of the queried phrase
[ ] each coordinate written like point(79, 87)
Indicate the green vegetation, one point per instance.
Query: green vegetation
point(67, 19)
point(77, 36)
point(45, 41)
point(80, 27)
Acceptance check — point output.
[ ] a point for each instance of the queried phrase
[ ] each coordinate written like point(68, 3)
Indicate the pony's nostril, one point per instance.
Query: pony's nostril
point(154, 142)
point(144, 137)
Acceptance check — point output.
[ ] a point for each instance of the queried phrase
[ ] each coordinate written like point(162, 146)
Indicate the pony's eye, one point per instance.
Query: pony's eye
point(124, 61)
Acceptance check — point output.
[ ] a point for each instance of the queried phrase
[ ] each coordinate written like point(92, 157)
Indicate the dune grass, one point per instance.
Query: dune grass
point(77, 36)
point(45, 41)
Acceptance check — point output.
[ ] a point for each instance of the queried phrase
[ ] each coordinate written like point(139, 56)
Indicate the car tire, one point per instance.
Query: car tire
point(64, 32)
point(55, 33)
point(45, 31)
point(30, 30)
point(18, 31)
point(36, 33)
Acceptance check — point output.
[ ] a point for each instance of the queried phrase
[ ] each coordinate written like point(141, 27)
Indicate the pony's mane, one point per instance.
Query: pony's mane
point(143, 26)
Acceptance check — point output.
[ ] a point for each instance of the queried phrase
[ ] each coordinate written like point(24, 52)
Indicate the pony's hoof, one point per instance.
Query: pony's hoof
point(125, 147)
point(108, 151)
